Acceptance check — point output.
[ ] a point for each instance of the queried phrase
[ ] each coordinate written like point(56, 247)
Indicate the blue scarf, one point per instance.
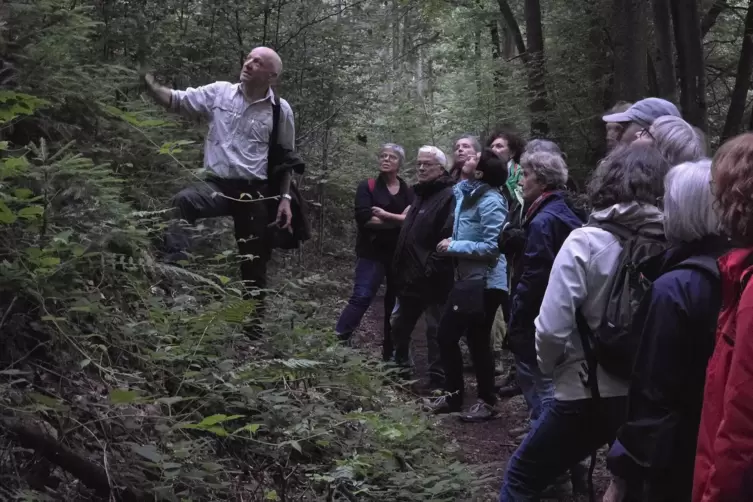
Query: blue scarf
point(467, 187)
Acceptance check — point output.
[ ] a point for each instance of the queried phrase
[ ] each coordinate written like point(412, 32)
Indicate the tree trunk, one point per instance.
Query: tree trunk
point(629, 39)
point(395, 34)
point(687, 27)
point(666, 79)
point(710, 18)
point(539, 105)
point(733, 123)
point(513, 28)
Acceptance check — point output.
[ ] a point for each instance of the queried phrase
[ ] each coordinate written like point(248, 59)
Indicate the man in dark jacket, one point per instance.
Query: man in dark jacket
point(547, 223)
point(422, 278)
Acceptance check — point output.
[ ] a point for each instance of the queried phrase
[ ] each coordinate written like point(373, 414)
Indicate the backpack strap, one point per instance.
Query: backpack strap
point(622, 232)
point(372, 184)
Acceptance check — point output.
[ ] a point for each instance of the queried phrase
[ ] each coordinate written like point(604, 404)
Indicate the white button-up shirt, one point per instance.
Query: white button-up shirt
point(237, 143)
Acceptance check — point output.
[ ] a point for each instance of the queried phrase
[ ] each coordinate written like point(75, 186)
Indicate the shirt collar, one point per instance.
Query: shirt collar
point(270, 94)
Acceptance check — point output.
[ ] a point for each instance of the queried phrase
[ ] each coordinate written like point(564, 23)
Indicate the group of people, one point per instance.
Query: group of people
point(629, 317)
point(627, 307)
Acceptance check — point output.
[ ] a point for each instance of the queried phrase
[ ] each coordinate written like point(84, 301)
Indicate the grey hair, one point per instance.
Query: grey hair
point(549, 168)
point(438, 154)
point(543, 145)
point(689, 212)
point(677, 140)
point(397, 149)
point(473, 139)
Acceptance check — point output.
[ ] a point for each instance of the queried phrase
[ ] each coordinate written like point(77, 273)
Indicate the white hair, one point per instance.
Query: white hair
point(677, 140)
point(438, 154)
point(549, 168)
point(689, 212)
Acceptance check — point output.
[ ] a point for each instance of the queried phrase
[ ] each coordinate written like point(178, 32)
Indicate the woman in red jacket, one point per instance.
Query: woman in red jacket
point(724, 459)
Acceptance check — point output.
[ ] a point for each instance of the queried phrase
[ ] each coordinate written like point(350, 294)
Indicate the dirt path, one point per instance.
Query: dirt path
point(487, 445)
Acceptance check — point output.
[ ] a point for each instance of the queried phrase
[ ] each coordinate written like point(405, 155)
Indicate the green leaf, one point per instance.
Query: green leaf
point(22, 193)
point(49, 261)
point(217, 419)
point(31, 212)
point(6, 215)
point(123, 396)
point(271, 495)
point(252, 428)
point(297, 446)
point(80, 308)
point(3, 145)
point(217, 430)
point(49, 402)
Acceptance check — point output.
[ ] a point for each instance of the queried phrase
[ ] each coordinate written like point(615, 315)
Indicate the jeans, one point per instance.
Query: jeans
point(537, 388)
point(369, 275)
point(565, 433)
point(403, 323)
point(478, 334)
point(249, 218)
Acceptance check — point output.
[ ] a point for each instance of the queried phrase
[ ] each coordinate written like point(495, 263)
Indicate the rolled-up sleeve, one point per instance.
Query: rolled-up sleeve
point(286, 137)
point(565, 293)
point(195, 102)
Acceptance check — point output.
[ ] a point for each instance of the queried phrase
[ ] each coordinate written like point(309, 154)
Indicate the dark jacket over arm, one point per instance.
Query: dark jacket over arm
point(546, 231)
point(656, 447)
point(418, 270)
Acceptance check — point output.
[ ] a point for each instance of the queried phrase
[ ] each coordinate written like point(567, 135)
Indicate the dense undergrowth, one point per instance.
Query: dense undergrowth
point(128, 379)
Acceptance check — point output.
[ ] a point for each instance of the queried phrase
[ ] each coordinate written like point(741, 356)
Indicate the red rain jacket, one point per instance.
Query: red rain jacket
point(724, 459)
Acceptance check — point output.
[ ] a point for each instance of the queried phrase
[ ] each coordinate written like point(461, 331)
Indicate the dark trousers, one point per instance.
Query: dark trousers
point(478, 334)
point(368, 276)
point(403, 323)
point(565, 433)
point(250, 219)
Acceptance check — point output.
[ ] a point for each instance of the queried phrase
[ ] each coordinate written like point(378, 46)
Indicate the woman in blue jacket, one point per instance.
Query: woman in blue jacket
point(480, 285)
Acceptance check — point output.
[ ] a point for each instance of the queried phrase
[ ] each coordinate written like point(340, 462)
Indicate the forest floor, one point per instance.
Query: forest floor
point(488, 445)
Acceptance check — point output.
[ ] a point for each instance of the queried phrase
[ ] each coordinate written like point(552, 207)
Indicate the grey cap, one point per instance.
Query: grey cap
point(644, 112)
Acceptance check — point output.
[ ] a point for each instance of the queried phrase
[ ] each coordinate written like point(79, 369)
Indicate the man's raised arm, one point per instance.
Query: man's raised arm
point(193, 102)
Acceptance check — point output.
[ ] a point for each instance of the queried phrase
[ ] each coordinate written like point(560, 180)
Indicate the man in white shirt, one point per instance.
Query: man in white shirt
point(237, 156)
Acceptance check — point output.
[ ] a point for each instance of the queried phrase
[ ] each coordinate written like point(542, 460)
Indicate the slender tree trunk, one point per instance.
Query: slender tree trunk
point(687, 27)
point(710, 18)
point(513, 28)
point(395, 34)
point(539, 105)
point(664, 56)
point(733, 123)
point(630, 47)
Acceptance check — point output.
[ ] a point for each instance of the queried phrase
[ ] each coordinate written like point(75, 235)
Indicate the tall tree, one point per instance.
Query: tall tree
point(664, 55)
point(537, 69)
point(736, 110)
point(687, 28)
point(629, 43)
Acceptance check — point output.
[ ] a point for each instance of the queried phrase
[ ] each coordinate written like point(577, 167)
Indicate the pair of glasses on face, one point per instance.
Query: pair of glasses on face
point(426, 164)
point(645, 134)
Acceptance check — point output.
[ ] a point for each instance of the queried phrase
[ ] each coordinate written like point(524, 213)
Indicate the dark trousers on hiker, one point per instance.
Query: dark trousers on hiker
point(478, 336)
point(565, 433)
point(250, 218)
point(403, 323)
point(369, 275)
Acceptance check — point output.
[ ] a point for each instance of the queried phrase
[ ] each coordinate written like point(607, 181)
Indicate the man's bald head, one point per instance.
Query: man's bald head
point(263, 66)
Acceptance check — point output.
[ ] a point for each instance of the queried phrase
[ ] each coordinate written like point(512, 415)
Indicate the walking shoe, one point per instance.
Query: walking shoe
point(559, 489)
point(442, 405)
point(480, 412)
point(509, 391)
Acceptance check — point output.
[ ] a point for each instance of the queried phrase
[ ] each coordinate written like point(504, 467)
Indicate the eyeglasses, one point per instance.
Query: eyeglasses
point(645, 133)
point(426, 164)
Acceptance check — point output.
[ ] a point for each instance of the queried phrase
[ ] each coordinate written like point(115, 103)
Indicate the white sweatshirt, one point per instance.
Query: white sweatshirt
point(582, 277)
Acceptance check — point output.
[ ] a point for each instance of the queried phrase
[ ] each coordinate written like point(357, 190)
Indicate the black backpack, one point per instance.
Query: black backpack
point(613, 345)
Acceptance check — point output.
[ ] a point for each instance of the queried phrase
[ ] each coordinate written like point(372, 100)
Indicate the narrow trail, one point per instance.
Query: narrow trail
point(487, 445)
